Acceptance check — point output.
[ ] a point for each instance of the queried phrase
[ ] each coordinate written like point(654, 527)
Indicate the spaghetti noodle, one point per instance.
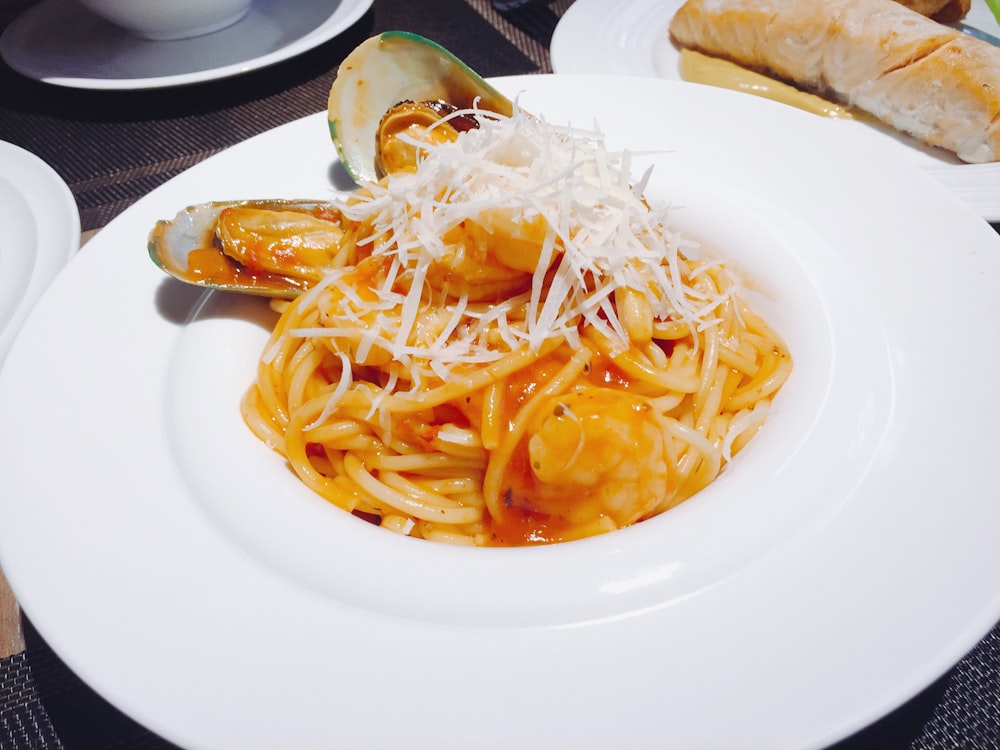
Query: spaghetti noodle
point(514, 349)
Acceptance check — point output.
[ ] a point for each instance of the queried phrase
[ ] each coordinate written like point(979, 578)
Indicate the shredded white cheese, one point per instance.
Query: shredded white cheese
point(598, 235)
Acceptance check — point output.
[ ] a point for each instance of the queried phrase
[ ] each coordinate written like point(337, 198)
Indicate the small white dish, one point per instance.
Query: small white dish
point(39, 231)
point(844, 562)
point(179, 19)
point(61, 43)
point(632, 37)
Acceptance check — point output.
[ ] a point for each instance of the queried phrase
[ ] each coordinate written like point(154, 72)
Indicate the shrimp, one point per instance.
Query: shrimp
point(599, 453)
point(467, 265)
point(488, 257)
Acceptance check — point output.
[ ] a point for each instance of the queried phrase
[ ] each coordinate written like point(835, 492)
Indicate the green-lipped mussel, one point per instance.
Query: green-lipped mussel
point(392, 89)
point(387, 69)
point(268, 248)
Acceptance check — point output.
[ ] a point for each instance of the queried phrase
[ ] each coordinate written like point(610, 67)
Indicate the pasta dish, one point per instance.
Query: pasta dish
point(508, 345)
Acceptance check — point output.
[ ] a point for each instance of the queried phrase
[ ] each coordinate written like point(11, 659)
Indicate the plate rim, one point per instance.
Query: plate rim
point(342, 17)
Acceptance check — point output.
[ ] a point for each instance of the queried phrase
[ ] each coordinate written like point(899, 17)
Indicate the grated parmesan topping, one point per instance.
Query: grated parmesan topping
point(595, 235)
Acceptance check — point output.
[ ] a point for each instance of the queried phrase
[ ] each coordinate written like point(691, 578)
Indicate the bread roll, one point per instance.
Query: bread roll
point(946, 11)
point(918, 76)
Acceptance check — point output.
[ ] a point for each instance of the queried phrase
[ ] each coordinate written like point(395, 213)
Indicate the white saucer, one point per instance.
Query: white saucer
point(39, 231)
point(60, 42)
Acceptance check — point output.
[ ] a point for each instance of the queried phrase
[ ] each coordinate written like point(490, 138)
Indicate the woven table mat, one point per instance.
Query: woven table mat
point(113, 147)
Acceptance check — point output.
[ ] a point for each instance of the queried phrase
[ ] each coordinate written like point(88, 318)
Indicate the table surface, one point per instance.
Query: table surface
point(157, 134)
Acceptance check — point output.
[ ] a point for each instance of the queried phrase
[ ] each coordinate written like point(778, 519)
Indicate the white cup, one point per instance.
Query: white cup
point(169, 19)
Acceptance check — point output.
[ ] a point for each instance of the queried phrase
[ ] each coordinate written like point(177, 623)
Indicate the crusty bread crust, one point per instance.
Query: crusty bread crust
point(912, 73)
point(945, 11)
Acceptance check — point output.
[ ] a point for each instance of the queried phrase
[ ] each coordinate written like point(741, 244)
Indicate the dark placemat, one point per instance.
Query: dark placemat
point(24, 721)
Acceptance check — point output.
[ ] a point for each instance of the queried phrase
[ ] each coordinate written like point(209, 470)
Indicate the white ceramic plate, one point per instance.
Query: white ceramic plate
point(632, 37)
point(60, 42)
point(846, 560)
point(39, 231)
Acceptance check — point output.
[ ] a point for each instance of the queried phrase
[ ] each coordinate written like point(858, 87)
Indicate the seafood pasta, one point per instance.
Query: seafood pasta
point(511, 347)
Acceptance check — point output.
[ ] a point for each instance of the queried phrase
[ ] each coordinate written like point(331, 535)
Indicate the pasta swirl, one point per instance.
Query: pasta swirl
point(515, 349)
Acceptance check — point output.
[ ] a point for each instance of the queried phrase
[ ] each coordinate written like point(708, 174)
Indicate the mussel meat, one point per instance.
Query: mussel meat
point(269, 248)
point(407, 122)
point(382, 72)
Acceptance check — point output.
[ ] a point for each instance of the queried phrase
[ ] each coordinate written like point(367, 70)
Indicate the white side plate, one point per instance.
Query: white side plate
point(39, 231)
point(632, 37)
